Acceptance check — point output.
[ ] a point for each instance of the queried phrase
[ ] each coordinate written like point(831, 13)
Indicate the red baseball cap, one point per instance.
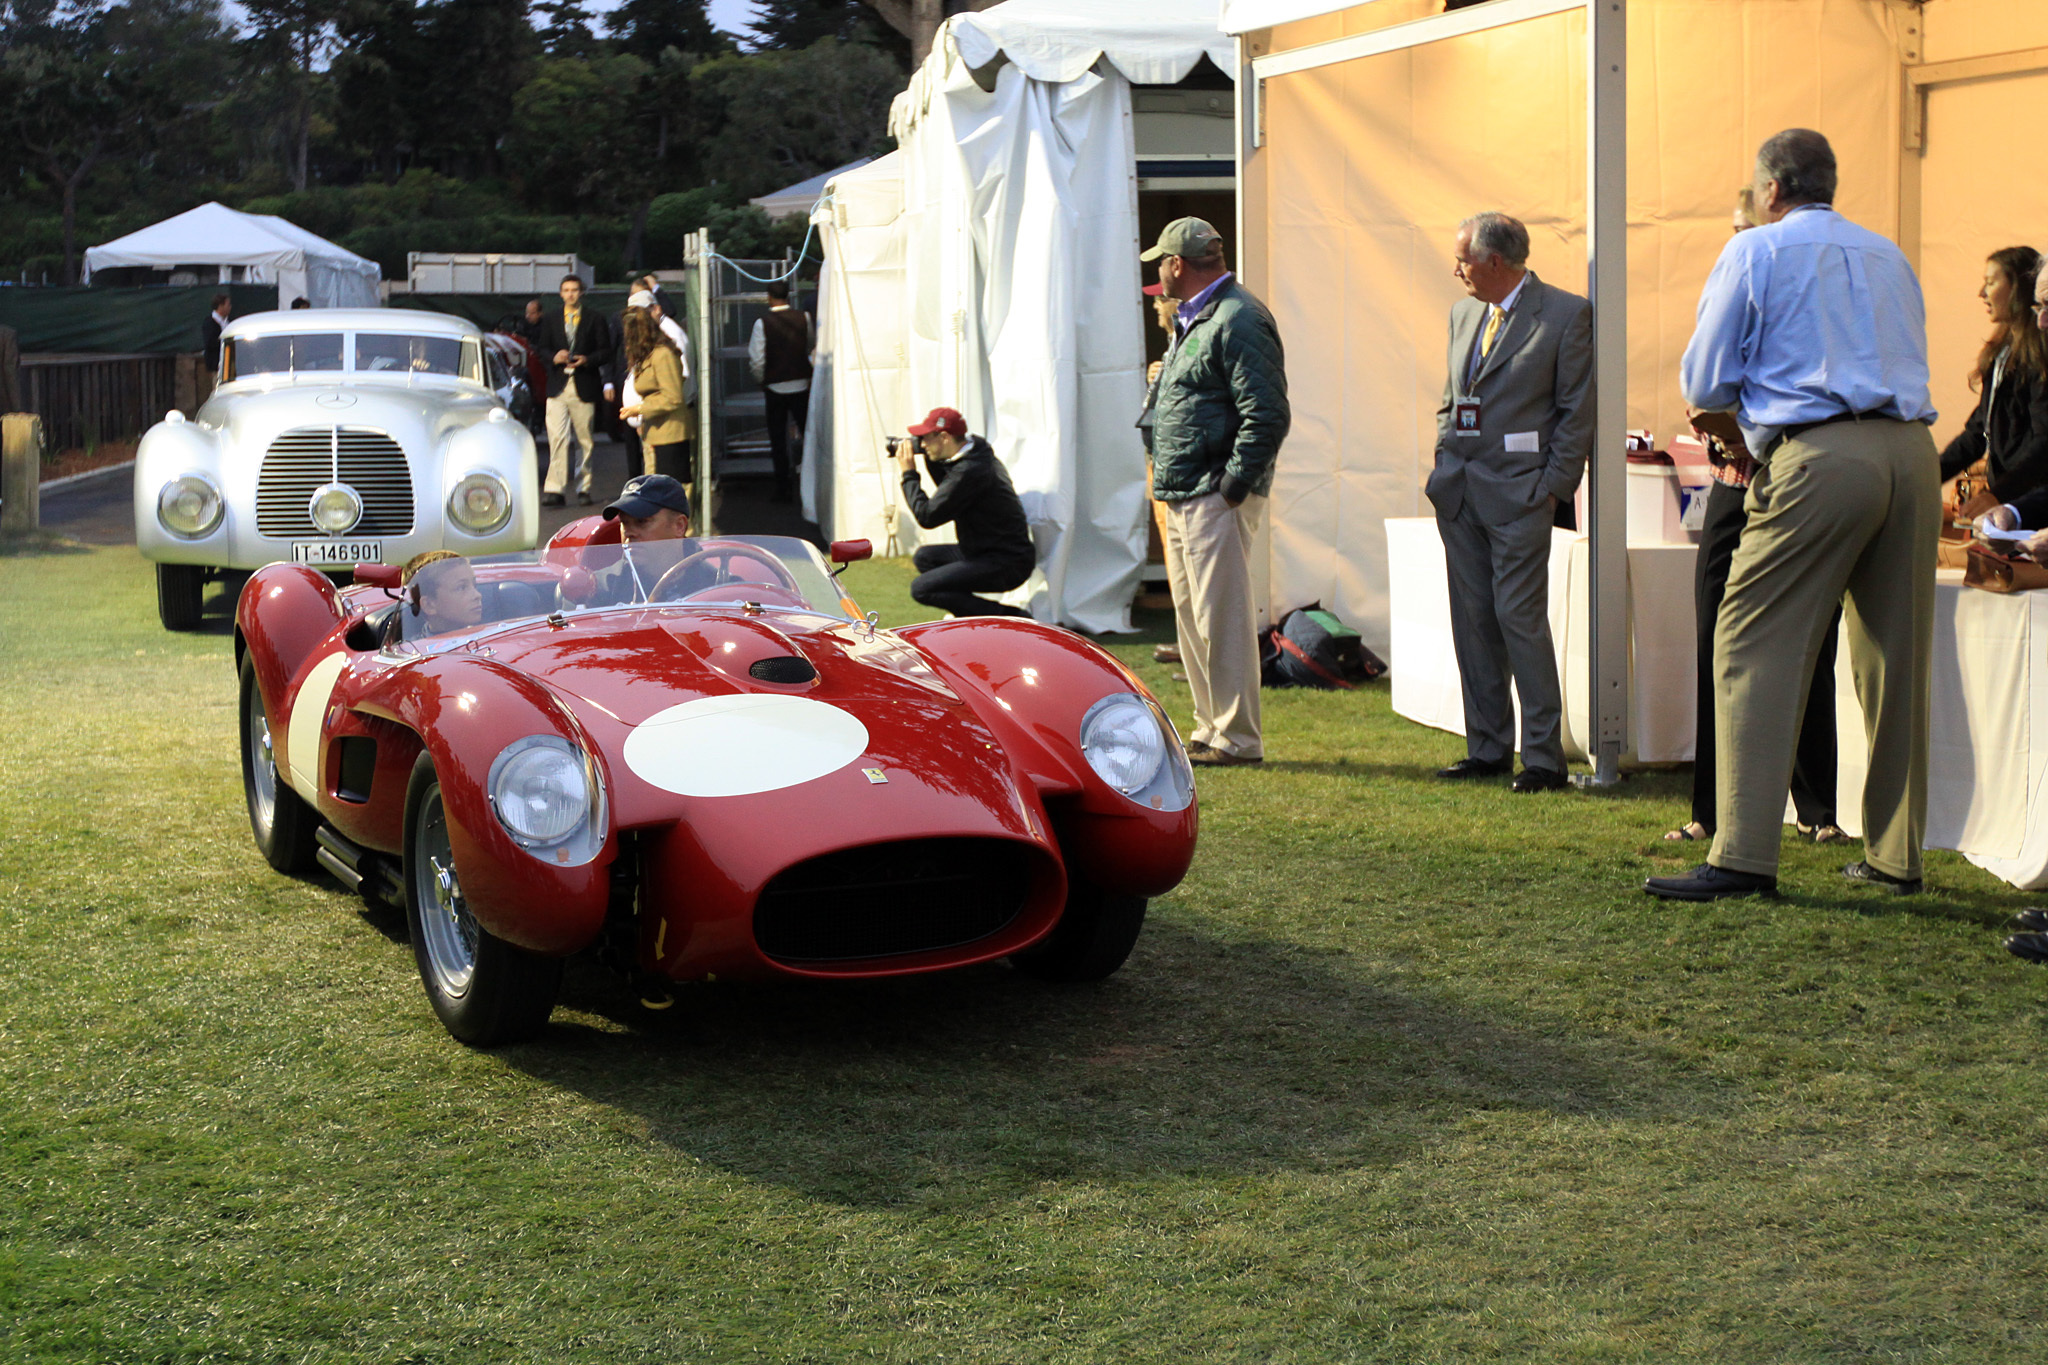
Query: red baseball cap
point(942, 419)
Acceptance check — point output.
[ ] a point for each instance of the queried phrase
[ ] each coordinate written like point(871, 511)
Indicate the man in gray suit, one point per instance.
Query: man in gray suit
point(1512, 439)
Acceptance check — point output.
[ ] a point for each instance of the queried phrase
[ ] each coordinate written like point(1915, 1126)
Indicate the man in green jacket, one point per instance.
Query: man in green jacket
point(1218, 417)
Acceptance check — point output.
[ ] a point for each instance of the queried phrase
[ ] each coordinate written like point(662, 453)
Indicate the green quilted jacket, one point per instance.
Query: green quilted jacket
point(1220, 410)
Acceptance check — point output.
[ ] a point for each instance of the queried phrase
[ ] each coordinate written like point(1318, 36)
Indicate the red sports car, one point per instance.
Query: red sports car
point(699, 756)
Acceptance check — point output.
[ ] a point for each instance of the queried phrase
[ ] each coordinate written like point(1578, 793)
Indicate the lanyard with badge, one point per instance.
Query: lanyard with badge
point(1468, 417)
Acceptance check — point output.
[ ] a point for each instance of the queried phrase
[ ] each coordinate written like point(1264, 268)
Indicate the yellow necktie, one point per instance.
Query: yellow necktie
point(1493, 325)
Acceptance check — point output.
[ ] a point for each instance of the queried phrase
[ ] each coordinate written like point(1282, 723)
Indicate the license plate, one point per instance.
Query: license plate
point(337, 552)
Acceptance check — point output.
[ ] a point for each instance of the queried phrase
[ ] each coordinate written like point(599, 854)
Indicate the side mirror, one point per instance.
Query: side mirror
point(851, 551)
point(378, 575)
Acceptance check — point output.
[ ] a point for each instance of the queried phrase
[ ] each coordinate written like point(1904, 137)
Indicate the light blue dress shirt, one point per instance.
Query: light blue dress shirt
point(1804, 319)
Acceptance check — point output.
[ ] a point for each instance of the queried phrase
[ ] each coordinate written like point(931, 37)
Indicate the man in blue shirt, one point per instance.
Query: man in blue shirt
point(1812, 334)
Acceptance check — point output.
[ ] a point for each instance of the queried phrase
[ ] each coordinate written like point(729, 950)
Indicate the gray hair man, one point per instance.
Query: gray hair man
point(1812, 338)
point(1512, 436)
point(1219, 414)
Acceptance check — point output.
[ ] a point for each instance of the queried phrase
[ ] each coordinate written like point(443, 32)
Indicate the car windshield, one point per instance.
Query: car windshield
point(447, 599)
point(394, 353)
point(285, 353)
point(386, 351)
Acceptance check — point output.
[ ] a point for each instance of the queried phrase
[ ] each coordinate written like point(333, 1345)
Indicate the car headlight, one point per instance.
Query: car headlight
point(546, 794)
point(335, 508)
point(481, 503)
point(1131, 746)
point(189, 506)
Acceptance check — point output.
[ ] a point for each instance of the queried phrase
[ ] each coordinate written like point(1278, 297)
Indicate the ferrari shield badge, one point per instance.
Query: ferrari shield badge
point(875, 775)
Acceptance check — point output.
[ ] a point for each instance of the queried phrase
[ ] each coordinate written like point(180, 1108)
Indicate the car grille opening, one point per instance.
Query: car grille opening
point(886, 900)
point(300, 461)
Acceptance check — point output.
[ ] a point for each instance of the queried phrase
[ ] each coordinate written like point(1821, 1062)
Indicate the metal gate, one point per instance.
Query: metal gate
point(725, 299)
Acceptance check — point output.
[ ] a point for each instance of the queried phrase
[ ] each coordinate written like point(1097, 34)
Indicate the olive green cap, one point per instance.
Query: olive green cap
point(1185, 237)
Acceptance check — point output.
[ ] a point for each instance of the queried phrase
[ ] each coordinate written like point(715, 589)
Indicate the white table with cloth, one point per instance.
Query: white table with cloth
point(1987, 790)
point(1662, 686)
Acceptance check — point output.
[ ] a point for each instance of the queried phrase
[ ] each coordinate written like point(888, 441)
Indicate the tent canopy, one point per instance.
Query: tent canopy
point(795, 201)
point(273, 250)
point(1152, 42)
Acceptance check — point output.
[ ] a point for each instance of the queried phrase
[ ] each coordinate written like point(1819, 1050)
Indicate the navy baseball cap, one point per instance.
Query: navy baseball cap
point(647, 494)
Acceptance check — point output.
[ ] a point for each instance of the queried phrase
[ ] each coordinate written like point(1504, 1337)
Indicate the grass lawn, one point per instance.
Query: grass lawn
point(1402, 1073)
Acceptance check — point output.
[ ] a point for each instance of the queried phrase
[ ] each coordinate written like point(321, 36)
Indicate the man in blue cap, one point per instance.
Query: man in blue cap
point(653, 512)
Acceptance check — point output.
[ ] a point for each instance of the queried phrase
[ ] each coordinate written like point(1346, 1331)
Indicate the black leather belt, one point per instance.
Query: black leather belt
point(1801, 428)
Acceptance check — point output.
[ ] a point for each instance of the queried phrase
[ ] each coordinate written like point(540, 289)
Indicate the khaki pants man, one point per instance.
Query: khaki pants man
point(1208, 569)
point(1851, 507)
point(569, 420)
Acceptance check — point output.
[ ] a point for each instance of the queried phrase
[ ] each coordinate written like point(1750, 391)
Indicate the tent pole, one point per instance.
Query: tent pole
point(1607, 279)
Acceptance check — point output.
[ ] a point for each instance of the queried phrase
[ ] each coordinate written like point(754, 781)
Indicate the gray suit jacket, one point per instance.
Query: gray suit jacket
point(1536, 392)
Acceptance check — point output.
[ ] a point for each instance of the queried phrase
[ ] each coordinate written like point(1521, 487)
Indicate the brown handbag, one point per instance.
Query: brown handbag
point(1997, 573)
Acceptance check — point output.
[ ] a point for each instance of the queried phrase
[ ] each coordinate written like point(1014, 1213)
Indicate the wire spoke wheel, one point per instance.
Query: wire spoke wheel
point(448, 932)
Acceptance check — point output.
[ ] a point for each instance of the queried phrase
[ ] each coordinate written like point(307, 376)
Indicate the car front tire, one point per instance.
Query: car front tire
point(281, 821)
point(484, 990)
point(180, 595)
point(1094, 937)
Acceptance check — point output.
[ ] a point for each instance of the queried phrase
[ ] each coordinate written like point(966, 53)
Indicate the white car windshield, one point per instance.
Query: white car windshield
point(288, 353)
point(394, 353)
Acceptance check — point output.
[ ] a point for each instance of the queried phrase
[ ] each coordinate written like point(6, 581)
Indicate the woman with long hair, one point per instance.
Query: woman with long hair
point(655, 370)
point(2009, 429)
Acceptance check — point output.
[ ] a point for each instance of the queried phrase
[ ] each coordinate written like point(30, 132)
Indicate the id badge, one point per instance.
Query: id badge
point(1465, 418)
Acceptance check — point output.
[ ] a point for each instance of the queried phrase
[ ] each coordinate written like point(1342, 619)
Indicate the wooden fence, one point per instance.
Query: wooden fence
point(89, 400)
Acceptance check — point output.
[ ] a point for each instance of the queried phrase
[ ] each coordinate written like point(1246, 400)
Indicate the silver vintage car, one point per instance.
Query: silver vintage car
point(336, 437)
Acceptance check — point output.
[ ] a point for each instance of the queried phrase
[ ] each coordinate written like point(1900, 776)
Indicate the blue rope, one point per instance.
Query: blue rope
point(803, 254)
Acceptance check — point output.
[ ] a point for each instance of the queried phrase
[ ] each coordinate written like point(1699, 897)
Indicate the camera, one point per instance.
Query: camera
point(897, 444)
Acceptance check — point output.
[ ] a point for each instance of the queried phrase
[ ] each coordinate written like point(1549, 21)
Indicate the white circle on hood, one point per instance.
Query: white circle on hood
point(741, 745)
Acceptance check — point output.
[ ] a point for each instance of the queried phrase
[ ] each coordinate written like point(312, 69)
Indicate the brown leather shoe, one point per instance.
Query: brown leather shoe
point(1221, 758)
point(1166, 654)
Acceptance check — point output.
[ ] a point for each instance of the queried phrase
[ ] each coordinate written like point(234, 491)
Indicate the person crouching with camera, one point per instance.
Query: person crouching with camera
point(971, 490)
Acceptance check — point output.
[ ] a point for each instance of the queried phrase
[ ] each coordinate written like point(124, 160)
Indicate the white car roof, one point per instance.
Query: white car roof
point(391, 321)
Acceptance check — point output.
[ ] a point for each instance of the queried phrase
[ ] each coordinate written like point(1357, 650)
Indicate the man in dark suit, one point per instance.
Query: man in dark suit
point(576, 344)
point(210, 330)
point(1513, 435)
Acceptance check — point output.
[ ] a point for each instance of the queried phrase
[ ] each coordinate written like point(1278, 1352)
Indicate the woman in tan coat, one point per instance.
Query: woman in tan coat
point(666, 421)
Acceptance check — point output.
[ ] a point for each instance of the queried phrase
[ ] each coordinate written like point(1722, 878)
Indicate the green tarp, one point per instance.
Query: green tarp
point(153, 320)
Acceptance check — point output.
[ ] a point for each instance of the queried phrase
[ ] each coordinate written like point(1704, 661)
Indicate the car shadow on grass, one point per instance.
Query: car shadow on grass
point(1200, 1057)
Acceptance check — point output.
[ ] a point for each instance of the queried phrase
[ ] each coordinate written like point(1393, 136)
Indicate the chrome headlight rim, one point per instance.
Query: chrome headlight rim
point(354, 502)
point(192, 480)
point(1168, 784)
point(488, 478)
point(578, 843)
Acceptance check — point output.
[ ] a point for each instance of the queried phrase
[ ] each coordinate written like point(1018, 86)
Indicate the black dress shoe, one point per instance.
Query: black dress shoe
point(1860, 871)
point(2031, 918)
point(583, 499)
point(1540, 780)
point(1709, 883)
point(1476, 767)
point(551, 500)
point(2031, 947)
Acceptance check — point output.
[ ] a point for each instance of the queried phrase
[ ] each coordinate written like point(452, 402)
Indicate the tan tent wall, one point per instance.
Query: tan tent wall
point(1368, 165)
point(1977, 182)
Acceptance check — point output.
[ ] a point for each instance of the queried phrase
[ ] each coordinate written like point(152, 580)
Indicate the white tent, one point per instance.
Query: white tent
point(251, 248)
point(991, 265)
point(796, 201)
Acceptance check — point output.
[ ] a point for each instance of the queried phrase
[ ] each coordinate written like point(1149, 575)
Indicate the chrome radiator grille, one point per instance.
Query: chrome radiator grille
point(300, 461)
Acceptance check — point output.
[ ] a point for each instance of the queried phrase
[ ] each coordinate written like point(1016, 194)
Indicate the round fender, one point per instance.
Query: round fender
point(285, 613)
point(466, 711)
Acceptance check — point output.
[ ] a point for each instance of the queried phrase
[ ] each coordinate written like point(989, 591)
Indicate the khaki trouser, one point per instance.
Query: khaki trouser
point(1852, 507)
point(1208, 568)
point(569, 417)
